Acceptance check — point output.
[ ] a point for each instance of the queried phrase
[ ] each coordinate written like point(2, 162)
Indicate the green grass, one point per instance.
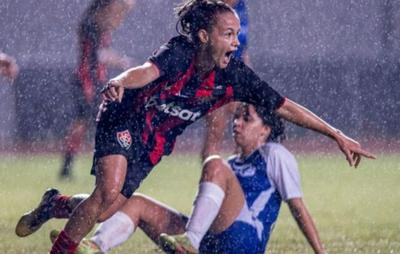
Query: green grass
point(356, 211)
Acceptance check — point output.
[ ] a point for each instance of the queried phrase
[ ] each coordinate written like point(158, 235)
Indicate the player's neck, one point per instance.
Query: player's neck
point(203, 63)
point(247, 150)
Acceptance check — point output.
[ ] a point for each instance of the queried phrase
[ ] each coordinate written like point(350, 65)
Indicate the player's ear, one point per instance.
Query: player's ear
point(203, 36)
point(265, 132)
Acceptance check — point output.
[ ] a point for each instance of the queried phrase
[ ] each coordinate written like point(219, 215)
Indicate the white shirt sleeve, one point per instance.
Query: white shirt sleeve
point(283, 171)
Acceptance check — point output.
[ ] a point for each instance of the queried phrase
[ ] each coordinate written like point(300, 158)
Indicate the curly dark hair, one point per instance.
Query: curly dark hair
point(270, 119)
point(194, 15)
point(274, 122)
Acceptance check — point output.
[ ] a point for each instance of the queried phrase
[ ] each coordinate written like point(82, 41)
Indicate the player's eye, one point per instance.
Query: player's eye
point(228, 34)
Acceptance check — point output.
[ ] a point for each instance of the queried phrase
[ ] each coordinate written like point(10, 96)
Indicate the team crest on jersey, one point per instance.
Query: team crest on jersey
point(124, 139)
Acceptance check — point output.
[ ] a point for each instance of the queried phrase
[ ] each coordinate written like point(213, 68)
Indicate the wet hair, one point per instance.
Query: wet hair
point(194, 15)
point(97, 5)
point(272, 120)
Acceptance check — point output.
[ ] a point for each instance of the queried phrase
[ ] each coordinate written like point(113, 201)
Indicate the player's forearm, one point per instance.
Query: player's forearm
point(139, 76)
point(303, 117)
point(306, 224)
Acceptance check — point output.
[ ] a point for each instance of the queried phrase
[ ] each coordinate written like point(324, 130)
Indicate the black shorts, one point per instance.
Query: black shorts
point(117, 133)
point(85, 110)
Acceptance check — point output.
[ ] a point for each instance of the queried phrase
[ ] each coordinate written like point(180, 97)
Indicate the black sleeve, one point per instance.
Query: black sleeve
point(173, 57)
point(248, 87)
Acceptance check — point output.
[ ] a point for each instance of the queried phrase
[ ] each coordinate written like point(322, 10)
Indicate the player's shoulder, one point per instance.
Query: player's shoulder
point(181, 42)
point(275, 150)
point(234, 64)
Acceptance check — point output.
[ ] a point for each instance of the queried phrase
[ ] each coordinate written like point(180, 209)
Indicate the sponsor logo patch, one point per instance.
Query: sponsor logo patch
point(124, 139)
point(173, 110)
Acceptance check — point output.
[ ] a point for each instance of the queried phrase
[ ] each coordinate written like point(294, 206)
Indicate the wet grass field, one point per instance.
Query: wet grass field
point(356, 210)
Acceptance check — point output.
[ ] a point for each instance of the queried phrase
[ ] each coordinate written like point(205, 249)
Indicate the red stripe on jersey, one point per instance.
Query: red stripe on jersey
point(146, 94)
point(160, 138)
point(207, 86)
point(228, 97)
point(158, 149)
point(149, 127)
point(178, 85)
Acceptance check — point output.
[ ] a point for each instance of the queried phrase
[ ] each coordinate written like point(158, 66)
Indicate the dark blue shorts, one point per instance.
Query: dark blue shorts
point(117, 133)
point(239, 238)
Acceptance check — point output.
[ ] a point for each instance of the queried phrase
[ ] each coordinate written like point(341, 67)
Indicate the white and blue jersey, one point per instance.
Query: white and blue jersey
point(267, 176)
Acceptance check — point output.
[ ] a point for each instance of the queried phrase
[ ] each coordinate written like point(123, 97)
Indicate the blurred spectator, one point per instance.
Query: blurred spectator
point(100, 19)
point(8, 66)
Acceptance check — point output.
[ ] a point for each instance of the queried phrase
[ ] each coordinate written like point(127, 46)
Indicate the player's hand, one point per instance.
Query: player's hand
point(352, 150)
point(113, 91)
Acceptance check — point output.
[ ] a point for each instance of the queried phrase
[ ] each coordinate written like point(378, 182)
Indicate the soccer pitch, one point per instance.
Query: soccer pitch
point(355, 210)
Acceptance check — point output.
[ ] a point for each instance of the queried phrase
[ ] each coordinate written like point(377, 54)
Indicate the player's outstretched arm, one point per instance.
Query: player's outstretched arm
point(306, 224)
point(135, 77)
point(299, 115)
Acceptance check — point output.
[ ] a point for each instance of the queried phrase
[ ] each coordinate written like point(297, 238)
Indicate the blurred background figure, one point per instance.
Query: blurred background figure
point(8, 66)
point(100, 19)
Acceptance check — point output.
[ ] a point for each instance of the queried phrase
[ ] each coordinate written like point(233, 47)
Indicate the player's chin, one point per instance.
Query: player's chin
point(237, 139)
point(223, 64)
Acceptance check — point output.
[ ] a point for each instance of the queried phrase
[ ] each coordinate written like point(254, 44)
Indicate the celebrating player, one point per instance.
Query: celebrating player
point(236, 207)
point(191, 75)
point(100, 19)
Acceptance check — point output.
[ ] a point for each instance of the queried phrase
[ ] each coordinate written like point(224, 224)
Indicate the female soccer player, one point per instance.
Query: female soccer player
point(186, 78)
point(236, 207)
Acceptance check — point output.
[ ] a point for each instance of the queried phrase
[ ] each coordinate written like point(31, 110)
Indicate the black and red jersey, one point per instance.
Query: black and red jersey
point(165, 107)
point(91, 72)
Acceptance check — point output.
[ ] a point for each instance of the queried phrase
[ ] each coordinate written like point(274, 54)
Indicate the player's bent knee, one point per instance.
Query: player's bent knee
point(216, 171)
point(106, 197)
point(138, 200)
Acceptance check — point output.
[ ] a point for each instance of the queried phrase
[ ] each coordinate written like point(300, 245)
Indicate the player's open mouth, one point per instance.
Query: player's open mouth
point(228, 56)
